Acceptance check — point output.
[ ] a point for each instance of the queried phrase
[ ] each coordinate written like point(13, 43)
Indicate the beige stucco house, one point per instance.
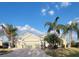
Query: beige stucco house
point(29, 40)
point(0, 41)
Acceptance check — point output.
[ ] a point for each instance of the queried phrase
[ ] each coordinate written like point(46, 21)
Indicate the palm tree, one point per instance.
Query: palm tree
point(78, 33)
point(73, 27)
point(10, 32)
point(52, 25)
point(68, 29)
point(76, 28)
point(56, 27)
point(1, 33)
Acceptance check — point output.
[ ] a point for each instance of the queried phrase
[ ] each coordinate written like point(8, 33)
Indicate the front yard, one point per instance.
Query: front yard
point(5, 51)
point(61, 52)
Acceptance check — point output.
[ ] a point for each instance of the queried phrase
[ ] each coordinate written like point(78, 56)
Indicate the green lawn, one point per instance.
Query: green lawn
point(5, 51)
point(61, 52)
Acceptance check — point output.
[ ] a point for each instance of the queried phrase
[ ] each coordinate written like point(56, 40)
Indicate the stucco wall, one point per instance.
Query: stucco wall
point(0, 43)
point(31, 41)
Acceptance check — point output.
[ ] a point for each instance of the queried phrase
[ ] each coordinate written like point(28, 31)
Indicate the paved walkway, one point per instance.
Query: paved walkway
point(25, 52)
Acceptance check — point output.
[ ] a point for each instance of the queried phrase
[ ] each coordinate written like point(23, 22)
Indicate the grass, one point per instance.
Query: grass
point(61, 52)
point(5, 51)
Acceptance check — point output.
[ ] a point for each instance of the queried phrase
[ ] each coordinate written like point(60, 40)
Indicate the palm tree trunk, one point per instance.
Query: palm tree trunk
point(64, 39)
point(78, 37)
point(9, 44)
point(78, 34)
point(70, 35)
point(71, 38)
point(44, 44)
point(9, 41)
point(12, 43)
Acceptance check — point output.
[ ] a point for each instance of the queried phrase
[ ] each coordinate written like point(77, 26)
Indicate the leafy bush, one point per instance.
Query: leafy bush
point(1, 47)
point(73, 43)
point(53, 40)
point(5, 45)
point(77, 44)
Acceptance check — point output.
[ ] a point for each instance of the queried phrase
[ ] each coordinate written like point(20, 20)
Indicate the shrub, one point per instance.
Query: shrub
point(77, 44)
point(73, 43)
point(53, 40)
point(1, 47)
point(5, 45)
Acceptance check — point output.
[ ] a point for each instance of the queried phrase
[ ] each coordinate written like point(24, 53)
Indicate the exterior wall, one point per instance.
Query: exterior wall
point(0, 42)
point(31, 41)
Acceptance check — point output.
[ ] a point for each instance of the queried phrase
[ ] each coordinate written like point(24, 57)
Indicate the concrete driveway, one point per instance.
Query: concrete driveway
point(26, 52)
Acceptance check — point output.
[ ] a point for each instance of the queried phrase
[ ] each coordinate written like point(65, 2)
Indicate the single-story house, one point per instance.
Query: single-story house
point(29, 40)
point(0, 41)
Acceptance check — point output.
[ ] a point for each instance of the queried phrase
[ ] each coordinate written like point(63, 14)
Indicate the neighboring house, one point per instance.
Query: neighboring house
point(0, 41)
point(29, 40)
point(3, 39)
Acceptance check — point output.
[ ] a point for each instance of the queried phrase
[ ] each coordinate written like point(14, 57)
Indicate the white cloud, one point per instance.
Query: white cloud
point(43, 11)
point(69, 22)
point(19, 27)
point(76, 19)
point(35, 30)
point(62, 5)
point(47, 10)
point(26, 27)
point(51, 12)
point(65, 4)
point(57, 6)
point(0, 27)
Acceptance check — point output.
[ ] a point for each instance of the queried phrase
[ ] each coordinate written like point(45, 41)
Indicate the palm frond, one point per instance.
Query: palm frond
point(58, 31)
point(56, 20)
point(47, 24)
point(49, 29)
point(60, 26)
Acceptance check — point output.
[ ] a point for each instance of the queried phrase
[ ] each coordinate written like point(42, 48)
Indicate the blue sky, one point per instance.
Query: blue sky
point(36, 14)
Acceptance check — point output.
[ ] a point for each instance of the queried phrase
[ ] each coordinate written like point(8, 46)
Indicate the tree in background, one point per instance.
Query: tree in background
point(10, 32)
point(69, 28)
